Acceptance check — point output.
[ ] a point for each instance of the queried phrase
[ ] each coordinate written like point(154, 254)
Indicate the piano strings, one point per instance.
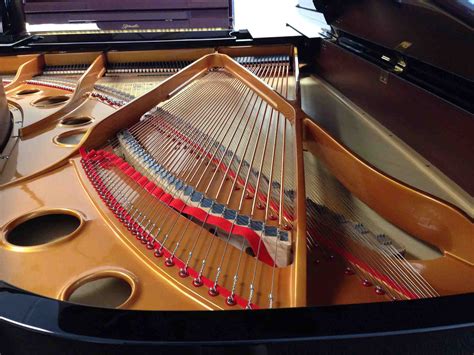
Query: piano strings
point(233, 166)
point(333, 223)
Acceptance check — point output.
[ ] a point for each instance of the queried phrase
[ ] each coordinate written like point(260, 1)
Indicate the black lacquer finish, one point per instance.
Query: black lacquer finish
point(455, 89)
point(32, 323)
point(134, 41)
point(12, 17)
point(129, 41)
point(132, 14)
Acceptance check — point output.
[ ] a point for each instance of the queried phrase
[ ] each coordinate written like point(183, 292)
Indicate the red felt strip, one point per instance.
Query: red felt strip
point(224, 224)
point(253, 238)
point(364, 266)
point(99, 185)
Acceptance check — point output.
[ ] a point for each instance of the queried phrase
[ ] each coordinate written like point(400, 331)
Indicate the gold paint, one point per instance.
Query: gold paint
point(57, 139)
point(19, 93)
point(44, 102)
point(37, 213)
point(88, 121)
point(96, 245)
point(100, 273)
point(52, 180)
point(426, 217)
point(27, 70)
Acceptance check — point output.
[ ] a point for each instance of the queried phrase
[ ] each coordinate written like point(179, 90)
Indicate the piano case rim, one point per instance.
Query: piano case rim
point(47, 324)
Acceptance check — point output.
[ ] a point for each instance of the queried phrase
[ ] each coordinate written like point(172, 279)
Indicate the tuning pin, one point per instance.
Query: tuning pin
point(169, 262)
point(379, 291)
point(348, 271)
point(197, 282)
point(183, 272)
point(213, 292)
point(230, 301)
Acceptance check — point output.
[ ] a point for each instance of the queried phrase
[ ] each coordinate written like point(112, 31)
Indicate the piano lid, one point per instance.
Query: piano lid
point(437, 32)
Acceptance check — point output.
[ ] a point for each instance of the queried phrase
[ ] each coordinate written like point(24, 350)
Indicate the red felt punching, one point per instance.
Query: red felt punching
point(177, 204)
point(257, 245)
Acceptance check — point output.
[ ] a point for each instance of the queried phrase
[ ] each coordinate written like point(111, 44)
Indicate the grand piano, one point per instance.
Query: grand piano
point(172, 182)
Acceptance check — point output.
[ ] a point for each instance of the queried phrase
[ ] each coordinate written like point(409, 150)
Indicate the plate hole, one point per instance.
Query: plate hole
point(27, 92)
point(69, 139)
point(76, 121)
point(42, 229)
point(49, 101)
point(108, 291)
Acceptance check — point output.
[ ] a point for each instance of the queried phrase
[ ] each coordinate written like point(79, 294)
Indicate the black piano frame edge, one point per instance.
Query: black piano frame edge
point(34, 324)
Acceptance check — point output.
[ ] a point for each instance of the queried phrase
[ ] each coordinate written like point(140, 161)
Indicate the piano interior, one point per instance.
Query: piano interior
point(216, 178)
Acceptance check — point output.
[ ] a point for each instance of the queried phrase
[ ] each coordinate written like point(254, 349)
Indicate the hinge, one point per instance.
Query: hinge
point(398, 65)
point(391, 61)
point(401, 63)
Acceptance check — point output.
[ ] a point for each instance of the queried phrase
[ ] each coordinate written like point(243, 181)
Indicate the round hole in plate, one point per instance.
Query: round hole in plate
point(101, 291)
point(34, 230)
point(51, 101)
point(70, 138)
point(27, 92)
point(76, 121)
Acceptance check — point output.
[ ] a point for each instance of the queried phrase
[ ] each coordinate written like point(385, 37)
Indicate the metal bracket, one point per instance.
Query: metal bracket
point(383, 77)
point(329, 35)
